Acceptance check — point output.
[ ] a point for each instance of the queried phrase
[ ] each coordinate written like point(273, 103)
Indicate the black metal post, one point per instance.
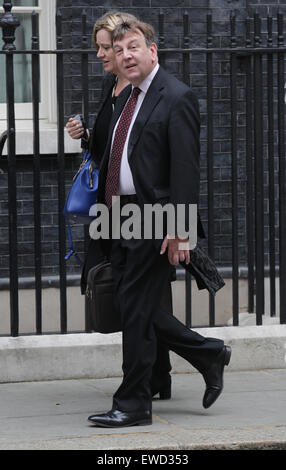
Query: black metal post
point(259, 177)
point(271, 170)
point(186, 56)
point(84, 69)
point(161, 38)
point(61, 178)
point(37, 171)
point(186, 79)
point(282, 170)
point(9, 23)
point(209, 58)
point(85, 101)
point(233, 90)
point(249, 171)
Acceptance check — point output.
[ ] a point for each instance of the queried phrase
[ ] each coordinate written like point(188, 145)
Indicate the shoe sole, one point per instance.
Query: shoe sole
point(164, 395)
point(139, 423)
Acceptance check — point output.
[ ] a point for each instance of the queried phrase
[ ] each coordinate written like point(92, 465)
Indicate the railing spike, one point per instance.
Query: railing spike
point(8, 23)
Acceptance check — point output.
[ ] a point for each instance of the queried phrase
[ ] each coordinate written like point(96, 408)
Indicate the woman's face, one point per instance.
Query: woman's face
point(105, 50)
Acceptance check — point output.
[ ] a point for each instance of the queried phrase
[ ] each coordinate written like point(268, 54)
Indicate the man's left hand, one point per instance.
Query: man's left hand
point(178, 249)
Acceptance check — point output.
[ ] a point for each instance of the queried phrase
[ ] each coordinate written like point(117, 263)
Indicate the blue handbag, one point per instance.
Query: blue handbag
point(82, 195)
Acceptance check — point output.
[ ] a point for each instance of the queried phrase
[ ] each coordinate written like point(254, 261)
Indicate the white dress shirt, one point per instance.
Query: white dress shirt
point(126, 185)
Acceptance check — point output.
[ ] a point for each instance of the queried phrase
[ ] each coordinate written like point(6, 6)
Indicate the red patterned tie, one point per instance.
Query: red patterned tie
point(112, 179)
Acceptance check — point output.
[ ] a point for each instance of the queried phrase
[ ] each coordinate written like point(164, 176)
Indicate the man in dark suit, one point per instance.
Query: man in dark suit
point(152, 157)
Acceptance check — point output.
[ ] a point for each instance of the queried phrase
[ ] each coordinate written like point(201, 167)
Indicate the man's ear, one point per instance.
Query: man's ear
point(154, 50)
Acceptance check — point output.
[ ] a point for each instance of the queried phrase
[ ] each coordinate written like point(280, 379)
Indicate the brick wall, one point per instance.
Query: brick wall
point(173, 11)
point(25, 216)
point(148, 11)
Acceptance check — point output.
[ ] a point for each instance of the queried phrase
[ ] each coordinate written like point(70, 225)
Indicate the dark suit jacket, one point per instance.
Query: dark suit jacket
point(164, 157)
point(164, 144)
point(97, 249)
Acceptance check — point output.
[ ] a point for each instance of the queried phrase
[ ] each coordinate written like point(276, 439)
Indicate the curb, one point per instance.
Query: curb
point(93, 355)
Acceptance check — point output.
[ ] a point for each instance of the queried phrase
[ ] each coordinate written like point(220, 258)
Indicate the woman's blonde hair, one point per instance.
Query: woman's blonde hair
point(109, 21)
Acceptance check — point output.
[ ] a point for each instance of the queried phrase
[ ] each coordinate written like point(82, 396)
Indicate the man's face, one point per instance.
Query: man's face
point(135, 60)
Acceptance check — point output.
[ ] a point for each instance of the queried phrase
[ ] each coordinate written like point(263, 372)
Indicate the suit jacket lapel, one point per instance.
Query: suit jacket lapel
point(120, 103)
point(151, 99)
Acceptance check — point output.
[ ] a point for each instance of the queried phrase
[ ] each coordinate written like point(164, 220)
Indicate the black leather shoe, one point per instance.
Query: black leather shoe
point(163, 387)
point(214, 377)
point(164, 393)
point(117, 419)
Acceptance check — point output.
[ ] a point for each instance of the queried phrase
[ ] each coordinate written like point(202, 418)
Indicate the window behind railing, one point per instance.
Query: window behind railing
point(23, 62)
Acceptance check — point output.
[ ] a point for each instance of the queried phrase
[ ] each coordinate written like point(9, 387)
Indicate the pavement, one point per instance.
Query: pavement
point(52, 415)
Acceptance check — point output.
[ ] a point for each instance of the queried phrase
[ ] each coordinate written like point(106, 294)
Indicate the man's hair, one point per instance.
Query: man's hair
point(109, 21)
point(134, 26)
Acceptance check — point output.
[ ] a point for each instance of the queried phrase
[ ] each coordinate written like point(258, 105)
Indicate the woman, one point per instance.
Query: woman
point(113, 84)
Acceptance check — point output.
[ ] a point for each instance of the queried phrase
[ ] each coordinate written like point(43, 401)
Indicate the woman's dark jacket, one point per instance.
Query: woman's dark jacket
point(100, 129)
point(97, 146)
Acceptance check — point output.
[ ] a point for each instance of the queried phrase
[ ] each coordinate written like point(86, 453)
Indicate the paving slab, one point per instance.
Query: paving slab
point(52, 415)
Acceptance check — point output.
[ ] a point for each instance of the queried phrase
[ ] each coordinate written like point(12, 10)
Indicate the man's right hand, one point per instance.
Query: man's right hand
point(75, 128)
point(178, 249)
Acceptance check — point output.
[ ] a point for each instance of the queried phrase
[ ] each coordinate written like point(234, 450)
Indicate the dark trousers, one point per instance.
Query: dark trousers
point(141, 274)
point(162, 367)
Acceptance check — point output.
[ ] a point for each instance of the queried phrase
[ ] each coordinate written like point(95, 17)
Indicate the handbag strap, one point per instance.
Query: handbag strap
point(72, 250)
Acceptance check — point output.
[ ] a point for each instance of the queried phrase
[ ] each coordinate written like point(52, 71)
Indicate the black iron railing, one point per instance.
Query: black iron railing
point(263, 69)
